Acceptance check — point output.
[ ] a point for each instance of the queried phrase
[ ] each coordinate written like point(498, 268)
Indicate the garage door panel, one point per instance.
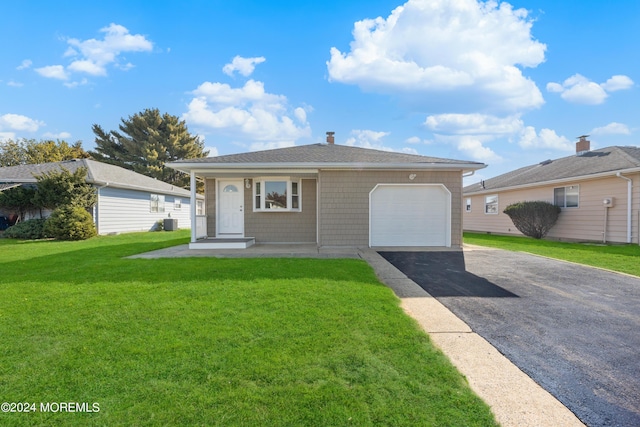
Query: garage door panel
point(410, 215)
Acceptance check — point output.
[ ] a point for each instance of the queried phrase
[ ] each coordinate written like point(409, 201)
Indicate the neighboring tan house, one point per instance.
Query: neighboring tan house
point(329, 195)
point(127, 201)
point(597, 190)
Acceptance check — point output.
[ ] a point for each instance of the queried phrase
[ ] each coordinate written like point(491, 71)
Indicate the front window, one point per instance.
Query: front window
point(566, 197)
point(177, 204)
point(491, 204)
point(156, 203)
point(276, 195)
point(468, 205)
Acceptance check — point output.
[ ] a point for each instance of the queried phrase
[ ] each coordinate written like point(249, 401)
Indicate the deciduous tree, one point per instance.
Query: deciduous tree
point(30, 151)
point(64, 188)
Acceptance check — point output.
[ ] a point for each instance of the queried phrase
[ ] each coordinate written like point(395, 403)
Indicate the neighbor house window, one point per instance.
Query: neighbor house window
point(566, 197)
point(276, 195)
point(491, 204)
point(199, 207)
point(468, 205)
point(157, 203)
point(177, 204)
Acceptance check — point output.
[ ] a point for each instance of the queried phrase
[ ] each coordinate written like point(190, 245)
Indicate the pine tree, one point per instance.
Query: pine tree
point(146, 142)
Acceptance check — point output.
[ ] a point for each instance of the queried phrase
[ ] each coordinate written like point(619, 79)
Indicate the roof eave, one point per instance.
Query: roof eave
point(556, 181)
point(225, 167)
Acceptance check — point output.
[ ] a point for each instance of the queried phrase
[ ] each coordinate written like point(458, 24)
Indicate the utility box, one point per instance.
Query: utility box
point(170, 224)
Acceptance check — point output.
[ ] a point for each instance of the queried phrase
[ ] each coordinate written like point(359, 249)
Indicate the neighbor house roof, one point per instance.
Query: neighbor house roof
point(323, 156)
point(98, 173)
point(591, 164)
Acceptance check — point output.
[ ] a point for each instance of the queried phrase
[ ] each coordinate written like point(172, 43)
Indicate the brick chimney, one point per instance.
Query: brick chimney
point(583, 145)
point(330, 138)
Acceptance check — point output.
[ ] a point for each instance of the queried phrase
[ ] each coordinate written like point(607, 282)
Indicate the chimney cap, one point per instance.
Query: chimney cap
point(330, 138)
point(583, 137)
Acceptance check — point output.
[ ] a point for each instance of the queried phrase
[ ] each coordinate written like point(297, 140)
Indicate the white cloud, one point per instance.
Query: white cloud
point(60, 135)
point(618, 82)
point(367, 139)
point(546, 138)
point(213, 151)
point(465, 49)
point(53, 72)
point(18, 122)
point(5, 136)
point(473, 124)
point(247, 113)
point(14, 83)
point(92, 56)
point(473, 146)
point(24, 64)
point(413, 140)
point(580, 90)
point(244, 66)
point(613, 128)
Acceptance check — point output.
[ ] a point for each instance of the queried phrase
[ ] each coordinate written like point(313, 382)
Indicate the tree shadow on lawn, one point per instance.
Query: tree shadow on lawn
point(107, 264)
point(444, 274)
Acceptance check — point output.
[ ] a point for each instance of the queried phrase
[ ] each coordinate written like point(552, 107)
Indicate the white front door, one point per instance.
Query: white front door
point(230, 208)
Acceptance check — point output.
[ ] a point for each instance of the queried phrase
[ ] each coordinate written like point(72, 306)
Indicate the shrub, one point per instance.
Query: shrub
point(533, 219)
point(70, 223)
point(31, 229)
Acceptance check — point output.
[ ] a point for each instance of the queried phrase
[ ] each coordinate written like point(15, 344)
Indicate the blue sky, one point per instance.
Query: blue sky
point(507, 84)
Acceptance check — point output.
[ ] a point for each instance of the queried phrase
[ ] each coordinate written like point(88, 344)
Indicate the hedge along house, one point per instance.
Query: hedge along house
point(598, 192)
point(328, 195)
point(127, 201)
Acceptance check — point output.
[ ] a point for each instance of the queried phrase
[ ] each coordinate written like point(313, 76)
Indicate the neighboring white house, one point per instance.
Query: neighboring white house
point(127, 201)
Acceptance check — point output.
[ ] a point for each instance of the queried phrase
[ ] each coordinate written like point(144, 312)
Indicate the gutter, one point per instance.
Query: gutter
point(629, 197)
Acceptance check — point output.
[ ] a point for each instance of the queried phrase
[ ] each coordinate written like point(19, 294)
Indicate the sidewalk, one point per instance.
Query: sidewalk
point(515, 399)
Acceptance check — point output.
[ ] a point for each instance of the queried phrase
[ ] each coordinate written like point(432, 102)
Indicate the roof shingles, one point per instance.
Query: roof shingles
point(97, 173)
point(323, 153)
point(609, 159)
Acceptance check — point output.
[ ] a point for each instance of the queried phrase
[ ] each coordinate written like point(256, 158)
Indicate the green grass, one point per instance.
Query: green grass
point(622, 258)
point(205, 341)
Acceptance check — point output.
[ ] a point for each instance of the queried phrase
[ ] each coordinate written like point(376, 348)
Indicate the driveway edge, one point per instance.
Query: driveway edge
point(515, 399)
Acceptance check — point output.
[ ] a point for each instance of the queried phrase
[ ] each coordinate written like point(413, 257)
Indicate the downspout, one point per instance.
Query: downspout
point(97, 207)
point(629, 194)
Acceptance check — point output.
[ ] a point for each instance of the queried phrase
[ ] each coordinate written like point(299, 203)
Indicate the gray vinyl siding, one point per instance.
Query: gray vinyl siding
point(584, 223)
point(344, 206)
point(283, 227)
point(271, 227)
point(120, 210)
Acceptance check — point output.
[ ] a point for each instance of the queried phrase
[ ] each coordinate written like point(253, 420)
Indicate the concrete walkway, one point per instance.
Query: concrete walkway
point(515, 399)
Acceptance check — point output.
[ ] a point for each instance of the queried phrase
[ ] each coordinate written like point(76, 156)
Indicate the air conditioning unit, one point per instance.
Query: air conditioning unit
point(608, 202)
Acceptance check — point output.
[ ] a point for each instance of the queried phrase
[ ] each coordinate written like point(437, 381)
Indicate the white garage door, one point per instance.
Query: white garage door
point(410, 215)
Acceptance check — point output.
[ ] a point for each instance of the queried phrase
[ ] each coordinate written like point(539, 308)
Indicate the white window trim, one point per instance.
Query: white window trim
point(288, 180)
point(564, 205)
point(177, 204)
point(467, 204)
point(497, 204)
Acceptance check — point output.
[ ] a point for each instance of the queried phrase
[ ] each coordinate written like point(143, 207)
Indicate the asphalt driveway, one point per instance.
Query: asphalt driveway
point(574, 329)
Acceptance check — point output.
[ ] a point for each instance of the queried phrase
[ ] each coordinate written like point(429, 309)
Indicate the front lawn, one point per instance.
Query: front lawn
point(622, 258)
point(205, 341)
